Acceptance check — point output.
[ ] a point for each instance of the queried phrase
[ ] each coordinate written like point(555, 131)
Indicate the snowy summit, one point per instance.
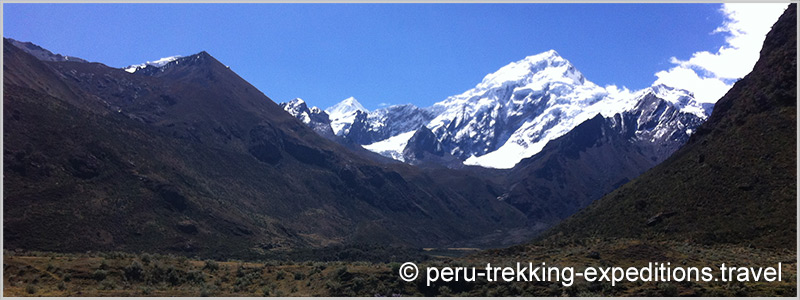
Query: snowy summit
point(158, 63)
point(343, 114)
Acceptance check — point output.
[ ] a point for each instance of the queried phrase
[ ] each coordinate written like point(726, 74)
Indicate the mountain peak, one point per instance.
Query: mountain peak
point(423, 140)
point(295, 106)
point(346, 106)
point(164, 62)
point(547, 55)
point(156, 63)
point(296, 101)
point(343, 114)
point(352, 101)
point(681, 99)
point(547, 66)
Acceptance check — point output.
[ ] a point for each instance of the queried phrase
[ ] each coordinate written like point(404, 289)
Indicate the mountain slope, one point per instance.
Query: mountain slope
point(734, 182)
point(189, 157)
point(424, 149)
point(598, 156)
point(42, 53)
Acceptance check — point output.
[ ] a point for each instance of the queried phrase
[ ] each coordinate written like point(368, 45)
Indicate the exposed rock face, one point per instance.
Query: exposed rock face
point(314, 117)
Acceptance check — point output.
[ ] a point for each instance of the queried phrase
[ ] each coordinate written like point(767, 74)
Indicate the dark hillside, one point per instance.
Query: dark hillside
point(191, 158)
point(733, 183)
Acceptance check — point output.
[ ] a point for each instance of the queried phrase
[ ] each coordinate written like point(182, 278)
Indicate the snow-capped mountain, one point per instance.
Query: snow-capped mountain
point(163, 65)
point(314, 117)
point(387, 122)
point(343, 114)
point(601, 154)
point(157, 63)
point(351, 120)
point(662, 119)
point(514, 112)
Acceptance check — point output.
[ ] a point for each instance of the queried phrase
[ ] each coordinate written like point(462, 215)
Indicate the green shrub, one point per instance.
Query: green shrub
point(342, 273)
point(146, 258)
point(445, 291)
point(668, 289)
point(107, 284)
point(195, 277)
point(299, 276)
point(100, 275)
point(146, 290)
point(395, 266)
point(174, 277)
point(134, 271)
point(211, 266)
point(266, 291)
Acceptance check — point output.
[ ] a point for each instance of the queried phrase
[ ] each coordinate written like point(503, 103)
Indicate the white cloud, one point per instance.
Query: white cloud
point(619, 93)
point(709, 75)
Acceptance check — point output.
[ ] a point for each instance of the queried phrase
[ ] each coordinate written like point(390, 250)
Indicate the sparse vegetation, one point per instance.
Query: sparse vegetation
point(179, 276)
point(211, 266)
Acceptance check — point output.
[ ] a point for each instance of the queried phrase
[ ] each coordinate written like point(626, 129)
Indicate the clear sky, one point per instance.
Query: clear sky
point(379, 53)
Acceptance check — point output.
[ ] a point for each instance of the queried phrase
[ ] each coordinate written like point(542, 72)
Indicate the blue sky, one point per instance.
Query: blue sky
point(378, 53)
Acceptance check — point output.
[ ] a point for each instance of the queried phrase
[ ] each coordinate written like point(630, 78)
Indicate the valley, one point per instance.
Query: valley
point(180, 178)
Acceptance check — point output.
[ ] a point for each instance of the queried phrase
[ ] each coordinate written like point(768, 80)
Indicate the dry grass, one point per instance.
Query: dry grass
point(56, 275)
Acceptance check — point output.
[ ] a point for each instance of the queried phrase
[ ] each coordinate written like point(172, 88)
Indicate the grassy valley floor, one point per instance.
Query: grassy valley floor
point(122, 274)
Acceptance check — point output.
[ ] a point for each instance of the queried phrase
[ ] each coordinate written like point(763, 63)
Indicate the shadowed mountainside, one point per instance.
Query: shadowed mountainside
point(735, 180)
point(191, 158)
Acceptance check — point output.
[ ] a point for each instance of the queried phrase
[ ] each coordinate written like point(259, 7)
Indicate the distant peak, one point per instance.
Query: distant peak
point(200, 56)
point(545, 66)
point(662, 90)
point(351, 101)
point(661, 87)
point(346, 106)
point(156, 63)
point(681, 99)
point(549, 55)
point(296, 102)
